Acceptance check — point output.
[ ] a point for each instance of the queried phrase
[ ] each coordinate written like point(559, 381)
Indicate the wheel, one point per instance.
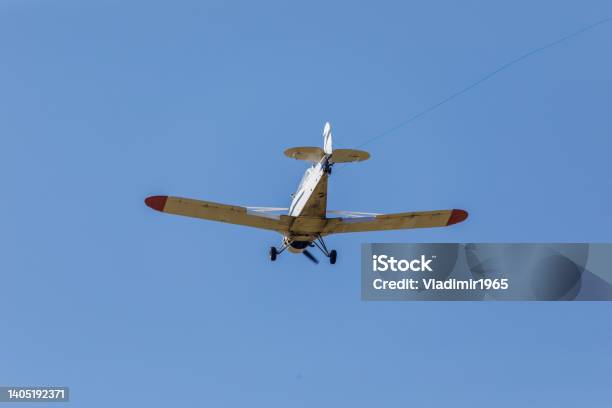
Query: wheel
point(332, 256)
point(273, 253)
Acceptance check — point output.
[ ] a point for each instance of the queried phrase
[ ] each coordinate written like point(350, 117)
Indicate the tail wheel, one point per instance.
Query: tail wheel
point(273, 253)
point(333, 255)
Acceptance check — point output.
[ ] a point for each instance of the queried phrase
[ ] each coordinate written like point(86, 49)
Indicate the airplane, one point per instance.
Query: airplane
point(306, 221)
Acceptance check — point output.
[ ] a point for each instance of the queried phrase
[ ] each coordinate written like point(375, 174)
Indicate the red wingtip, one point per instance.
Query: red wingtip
point(457, 216)
point(156, 202)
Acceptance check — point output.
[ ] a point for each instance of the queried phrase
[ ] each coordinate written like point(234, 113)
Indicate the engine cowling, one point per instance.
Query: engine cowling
point(296, 246)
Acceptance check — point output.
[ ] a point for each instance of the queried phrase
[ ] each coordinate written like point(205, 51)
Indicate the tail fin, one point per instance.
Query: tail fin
point(327, 138)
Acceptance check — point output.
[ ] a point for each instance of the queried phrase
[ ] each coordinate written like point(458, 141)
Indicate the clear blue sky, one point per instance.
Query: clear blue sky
point(103, 103)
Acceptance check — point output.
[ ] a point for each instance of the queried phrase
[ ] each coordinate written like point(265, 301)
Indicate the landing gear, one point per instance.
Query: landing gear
point(319, 243)
point(273, 253)
point(300, 246)
point(332, 256)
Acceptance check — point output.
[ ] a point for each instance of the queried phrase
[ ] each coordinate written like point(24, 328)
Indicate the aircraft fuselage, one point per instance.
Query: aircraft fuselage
point(309, 204)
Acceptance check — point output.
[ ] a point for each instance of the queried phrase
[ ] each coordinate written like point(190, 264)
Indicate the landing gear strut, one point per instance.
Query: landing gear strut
point(332, 255)
point(318, 242)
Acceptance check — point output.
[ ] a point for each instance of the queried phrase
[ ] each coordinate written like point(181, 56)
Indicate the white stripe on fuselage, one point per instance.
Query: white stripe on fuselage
point(310, 181)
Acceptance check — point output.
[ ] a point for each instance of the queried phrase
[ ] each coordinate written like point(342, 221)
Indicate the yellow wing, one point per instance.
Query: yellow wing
point(218, 212)
point(383, 222)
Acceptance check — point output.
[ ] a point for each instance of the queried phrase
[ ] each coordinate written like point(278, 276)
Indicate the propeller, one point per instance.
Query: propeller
point(310, 256)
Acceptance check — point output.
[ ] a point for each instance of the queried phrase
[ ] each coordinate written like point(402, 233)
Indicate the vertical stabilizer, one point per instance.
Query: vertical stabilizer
point(327, 138)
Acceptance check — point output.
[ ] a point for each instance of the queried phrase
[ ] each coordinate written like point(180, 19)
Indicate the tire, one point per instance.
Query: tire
point(333, 255)
point(273, 253)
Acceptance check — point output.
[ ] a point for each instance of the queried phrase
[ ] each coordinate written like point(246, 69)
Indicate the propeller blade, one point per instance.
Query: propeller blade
point(310, 256)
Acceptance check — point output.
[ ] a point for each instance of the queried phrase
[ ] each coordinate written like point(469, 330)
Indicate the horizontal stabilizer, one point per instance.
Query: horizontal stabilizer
point(349, 155)
point(313, 154)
